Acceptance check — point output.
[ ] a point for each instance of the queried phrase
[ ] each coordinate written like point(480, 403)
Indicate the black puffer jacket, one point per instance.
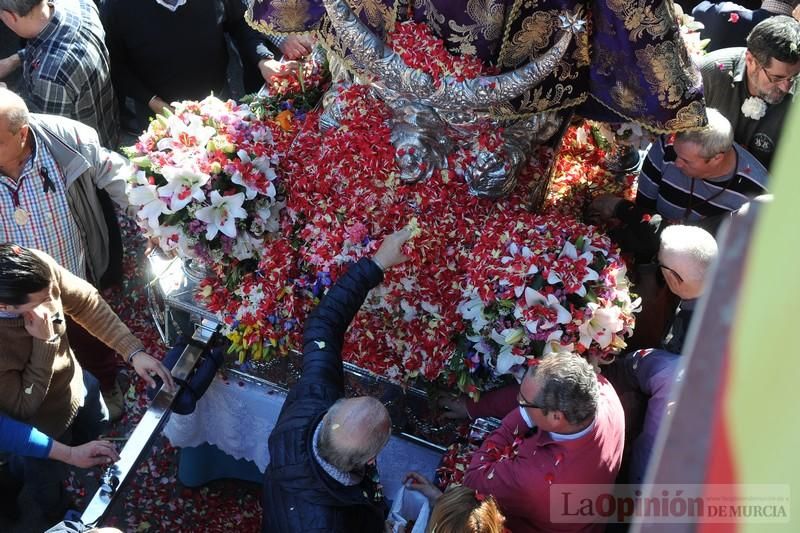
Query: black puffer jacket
point(299, 496)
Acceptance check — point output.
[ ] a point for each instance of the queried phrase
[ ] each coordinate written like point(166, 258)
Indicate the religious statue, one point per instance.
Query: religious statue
point(612, 60)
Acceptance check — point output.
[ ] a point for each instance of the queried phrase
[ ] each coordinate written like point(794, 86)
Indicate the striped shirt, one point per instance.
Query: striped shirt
point(41, 193)
point(665, 190)
point(66, 69)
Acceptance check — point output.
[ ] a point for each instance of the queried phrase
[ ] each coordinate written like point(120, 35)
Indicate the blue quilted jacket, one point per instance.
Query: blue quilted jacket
point(299, 496)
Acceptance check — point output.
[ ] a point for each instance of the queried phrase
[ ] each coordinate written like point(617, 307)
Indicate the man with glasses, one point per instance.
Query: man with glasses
point(565, 426)
point(754, 87)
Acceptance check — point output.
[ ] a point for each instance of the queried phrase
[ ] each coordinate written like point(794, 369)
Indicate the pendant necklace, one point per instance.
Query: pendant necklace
point(21, 216)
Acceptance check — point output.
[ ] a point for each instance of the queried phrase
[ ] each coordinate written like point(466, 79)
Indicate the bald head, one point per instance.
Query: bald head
point(354, 431)
point(13, 111)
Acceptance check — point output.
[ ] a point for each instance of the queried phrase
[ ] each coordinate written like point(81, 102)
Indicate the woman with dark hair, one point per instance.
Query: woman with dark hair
point(42, 382)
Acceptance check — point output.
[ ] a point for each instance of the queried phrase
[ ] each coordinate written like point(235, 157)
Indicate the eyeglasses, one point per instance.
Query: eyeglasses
point(665, 267)
point(775, 80)
point(522, 402)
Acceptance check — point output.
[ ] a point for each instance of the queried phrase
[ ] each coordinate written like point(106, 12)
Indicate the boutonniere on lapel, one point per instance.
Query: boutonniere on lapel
point(754, 108)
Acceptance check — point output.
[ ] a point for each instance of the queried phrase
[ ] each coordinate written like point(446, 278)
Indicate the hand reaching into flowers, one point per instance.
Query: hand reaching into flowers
point(297, 46)
point(418, 482)
point(391, 251)
point(273, 68)
point(158, 106)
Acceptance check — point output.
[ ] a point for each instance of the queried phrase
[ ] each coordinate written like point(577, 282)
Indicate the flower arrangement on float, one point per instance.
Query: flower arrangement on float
point(537, 285)
point(205, 181)
point(343, 195)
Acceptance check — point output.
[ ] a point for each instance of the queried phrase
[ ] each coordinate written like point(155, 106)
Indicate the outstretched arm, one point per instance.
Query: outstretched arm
point(23, 439)
point(326, 326)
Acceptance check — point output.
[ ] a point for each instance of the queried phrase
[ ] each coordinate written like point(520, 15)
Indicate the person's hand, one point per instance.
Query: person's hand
point(98, 452)
point(418, 482)
point(8, 65)
point(39, 324)
point(391, 251)
point(796, 12)
point(602, 208)
point(148, 366)
point(272, 68)
point(296, 46)
point(157, 105)
point(455, 408)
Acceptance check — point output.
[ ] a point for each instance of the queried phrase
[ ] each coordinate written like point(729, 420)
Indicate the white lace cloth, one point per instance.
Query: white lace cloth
point(235, 416)
point(238, 416)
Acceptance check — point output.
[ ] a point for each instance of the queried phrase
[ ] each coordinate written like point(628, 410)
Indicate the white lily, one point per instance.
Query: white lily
point(570, 251)
point(186, 131)
point(183, 185)
point(262, 164)
point(169, 237)
point(472, 310)
point(532, 298)
point(553, 344)
point(601, 327)
point(221, 215)
point(146, 195)
point(506, 359)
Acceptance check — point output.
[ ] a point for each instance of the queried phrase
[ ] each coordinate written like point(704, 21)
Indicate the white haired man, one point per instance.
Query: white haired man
point(321, 475)
point(684, 259)
point(693, 177)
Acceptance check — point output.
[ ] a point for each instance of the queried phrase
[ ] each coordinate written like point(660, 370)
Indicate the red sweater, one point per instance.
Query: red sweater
point(521, 483)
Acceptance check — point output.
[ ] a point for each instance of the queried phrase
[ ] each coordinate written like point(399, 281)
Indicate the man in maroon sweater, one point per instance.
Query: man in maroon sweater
point(562, 425)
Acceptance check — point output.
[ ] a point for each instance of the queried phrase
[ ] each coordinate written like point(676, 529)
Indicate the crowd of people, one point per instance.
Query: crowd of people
point(90, 71)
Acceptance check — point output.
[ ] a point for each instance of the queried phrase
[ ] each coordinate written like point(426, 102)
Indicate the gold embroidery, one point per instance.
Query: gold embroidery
point(668, 71)
point(533, 36)
point(626, 98)
point(433, 16)
point(581, 53)
point(691, 117)
point(377, 14)
point(488, 17)
point(291, 15)
point(640, 16)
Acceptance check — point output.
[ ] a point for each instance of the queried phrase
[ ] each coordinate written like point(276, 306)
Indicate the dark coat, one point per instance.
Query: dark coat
point(299, 496)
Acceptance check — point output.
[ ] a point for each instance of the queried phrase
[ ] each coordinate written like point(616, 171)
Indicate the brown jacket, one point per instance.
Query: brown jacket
point(41, 382)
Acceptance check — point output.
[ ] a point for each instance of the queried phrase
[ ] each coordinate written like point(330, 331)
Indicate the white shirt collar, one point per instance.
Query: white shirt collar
point(556, 436)
point(172, 5)
point(572, 436)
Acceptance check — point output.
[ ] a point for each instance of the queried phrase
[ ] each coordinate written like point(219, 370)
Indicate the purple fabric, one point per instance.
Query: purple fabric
point(643, 74)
